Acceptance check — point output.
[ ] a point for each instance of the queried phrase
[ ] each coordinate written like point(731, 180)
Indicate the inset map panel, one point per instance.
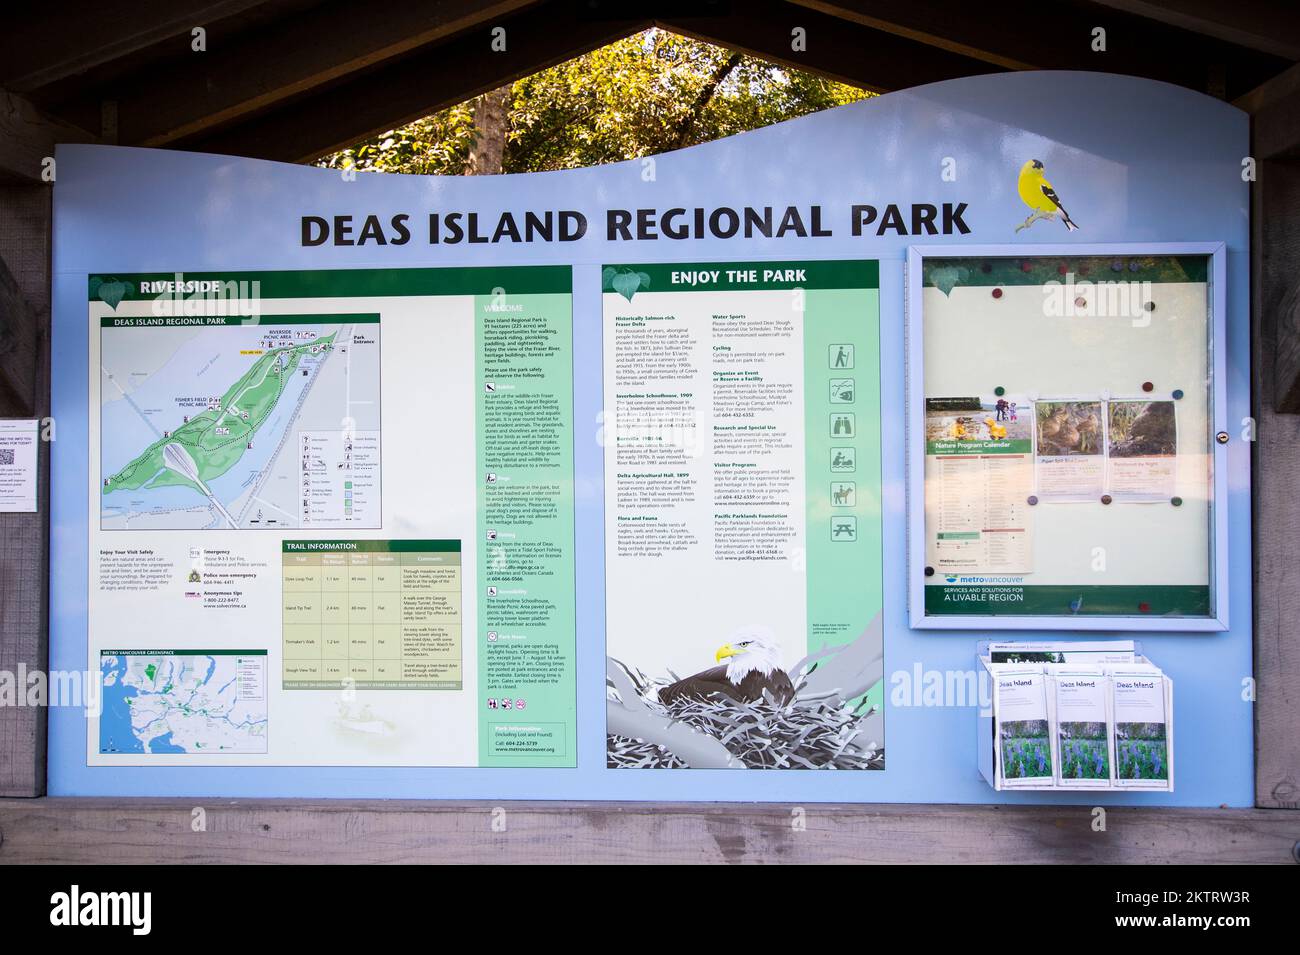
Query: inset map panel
point(183, 701)
point(210, 423)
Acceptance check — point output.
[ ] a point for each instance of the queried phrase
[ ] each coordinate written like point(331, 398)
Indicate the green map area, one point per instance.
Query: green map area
point(211, 442)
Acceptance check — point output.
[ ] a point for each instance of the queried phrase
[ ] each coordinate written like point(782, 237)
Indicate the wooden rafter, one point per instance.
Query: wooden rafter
point(1264, 25)
point(836, 48)
point(1022, 34)
point(28, 137)
point(71, 38)
point(436, 77)
point(250, 74)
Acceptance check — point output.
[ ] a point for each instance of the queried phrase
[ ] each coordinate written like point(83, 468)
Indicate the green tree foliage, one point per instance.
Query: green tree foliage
point(646, 94)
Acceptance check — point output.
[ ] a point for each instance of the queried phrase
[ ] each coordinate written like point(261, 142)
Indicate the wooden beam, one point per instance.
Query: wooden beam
point(62, 40)
point(963, 29)
point(287, 59)
point(1275, 116)
point(1274, 90)
point(836, 48)
point(1010, 34)
point(1268, 27)
point(432, 79)
point(28, 137)
point(1275, 404)
point(270, 831)
point(1275, 387)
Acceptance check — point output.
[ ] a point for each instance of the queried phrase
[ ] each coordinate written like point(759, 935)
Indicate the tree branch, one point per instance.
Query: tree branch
point(710, 89)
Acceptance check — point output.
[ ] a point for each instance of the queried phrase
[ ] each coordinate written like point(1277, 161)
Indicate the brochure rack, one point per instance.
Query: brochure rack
point(1123, 752)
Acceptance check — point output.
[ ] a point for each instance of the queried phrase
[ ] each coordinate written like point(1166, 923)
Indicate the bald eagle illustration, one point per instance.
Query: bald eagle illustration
point(753, 665)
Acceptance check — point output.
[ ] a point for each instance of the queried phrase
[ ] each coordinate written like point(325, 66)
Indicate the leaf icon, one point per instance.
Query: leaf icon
point(946, 277)
point(645, 279)
point(626, 284)
point(111, 293)
point(607, 277)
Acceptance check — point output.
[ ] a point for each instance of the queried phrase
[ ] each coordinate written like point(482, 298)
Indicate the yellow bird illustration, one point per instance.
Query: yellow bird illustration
point(1041, 198)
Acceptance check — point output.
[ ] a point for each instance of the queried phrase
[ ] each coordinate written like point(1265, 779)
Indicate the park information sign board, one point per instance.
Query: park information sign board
point(502, 487)
point(763, 376)
point(245, 483)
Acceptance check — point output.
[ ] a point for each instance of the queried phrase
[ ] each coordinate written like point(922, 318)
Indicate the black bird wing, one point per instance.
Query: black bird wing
point(1052, 197)
point(1055, 200)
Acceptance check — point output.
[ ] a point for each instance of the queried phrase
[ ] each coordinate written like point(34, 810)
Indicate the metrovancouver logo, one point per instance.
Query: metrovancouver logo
point(951, 579)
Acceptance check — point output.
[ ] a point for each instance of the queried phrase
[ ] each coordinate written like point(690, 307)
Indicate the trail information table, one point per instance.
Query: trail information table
point(386, 614)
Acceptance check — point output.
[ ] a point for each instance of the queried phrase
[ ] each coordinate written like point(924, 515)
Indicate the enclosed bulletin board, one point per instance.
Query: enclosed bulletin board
point(1066, 407)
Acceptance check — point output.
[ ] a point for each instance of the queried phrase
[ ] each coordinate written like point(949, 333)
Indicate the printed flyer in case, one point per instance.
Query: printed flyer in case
point(1141, 449)
point(1069, 458)
point(979, 474)
point(742, 515)
point(347, 499)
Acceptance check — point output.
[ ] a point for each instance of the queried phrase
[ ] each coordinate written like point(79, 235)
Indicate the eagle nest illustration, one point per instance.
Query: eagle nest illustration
point(749, 713)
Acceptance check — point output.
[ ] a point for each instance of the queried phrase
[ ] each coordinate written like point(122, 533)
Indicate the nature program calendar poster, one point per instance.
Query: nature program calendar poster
point(742, 515)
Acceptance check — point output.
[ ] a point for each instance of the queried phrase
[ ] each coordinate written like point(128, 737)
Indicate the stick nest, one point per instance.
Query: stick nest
point(806, 733)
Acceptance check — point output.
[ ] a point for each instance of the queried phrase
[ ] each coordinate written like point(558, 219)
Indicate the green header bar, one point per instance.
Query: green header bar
point(1030, 269)
point(182, 653)
point(372, 546)
point(267, 321)
point(980, 446)
point(739, 276)
point(1059, 600)
point(333, 283)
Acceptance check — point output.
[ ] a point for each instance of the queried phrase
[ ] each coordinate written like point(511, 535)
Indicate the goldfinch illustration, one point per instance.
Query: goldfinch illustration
point(1041, 198)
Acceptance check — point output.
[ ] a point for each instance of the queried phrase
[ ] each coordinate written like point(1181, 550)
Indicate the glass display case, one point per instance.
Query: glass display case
point(1065, 437)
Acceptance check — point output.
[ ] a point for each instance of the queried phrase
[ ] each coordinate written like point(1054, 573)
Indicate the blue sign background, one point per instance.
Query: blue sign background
point(1134, 161)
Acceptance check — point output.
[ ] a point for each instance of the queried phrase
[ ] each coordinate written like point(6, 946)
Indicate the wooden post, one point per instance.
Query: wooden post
point(24, 538)
point(1275, 385)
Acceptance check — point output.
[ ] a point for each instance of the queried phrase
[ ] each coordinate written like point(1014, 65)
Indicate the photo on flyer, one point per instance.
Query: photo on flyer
point(1082, 727)
point(1069, 450)
point(1141, 450)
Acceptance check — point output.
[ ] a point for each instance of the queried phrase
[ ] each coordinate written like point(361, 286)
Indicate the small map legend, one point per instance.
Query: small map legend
point(338, 478)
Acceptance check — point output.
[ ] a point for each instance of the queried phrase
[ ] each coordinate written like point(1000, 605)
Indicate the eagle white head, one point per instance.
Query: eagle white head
point(750, 649)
